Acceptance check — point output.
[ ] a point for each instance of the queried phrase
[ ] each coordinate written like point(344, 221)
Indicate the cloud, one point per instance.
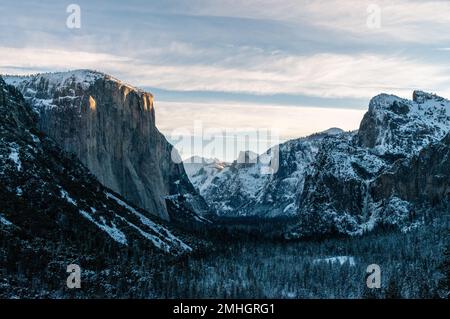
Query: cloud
point(308, 48)
point(28, 60)
point(238, 120)
point(405, 20)
point(321, 75)
point(290, 121)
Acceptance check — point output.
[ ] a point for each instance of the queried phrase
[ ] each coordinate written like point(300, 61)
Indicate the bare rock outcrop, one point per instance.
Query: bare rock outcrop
point(110, 127)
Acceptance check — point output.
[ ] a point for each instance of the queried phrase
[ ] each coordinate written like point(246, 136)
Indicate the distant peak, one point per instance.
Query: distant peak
point(333, 131)
point(246, 157)
point(421, 96)
point(200, 160)
point(383, 101)
point(248, 153)
point(319, 135)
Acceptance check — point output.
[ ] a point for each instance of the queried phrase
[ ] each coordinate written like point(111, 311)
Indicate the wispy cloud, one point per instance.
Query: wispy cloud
point(317, 50)
point(323, 75)
point(284, 123)
point(290, 122)
point(405, 20)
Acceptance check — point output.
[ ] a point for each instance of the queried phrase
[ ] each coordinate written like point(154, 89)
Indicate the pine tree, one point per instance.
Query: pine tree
point(445, 268)
point(369, 293)
point(424, 291)
point(393, 290)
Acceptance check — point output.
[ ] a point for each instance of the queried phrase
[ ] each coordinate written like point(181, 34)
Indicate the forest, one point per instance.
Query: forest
point(235, 264)
point(413, 265)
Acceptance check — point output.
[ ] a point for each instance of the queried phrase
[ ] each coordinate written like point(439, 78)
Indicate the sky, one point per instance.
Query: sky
point(294, 67)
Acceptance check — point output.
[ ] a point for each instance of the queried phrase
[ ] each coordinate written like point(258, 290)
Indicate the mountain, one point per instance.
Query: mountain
point(201, 171)
point(338, 193)
point(429, 183)
point(110, 127)
point(55, 213)
point(339, 182)
point(325, 181)
point(47, 193)
point(398, 127)
point(244, 189)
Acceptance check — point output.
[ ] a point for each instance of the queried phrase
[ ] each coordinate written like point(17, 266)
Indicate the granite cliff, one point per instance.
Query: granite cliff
point(110, 127)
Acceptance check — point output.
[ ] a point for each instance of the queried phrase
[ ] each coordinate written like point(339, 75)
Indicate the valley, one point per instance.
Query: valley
point(87, 178)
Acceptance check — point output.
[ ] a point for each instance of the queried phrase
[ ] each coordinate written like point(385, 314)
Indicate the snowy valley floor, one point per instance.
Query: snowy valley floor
point(409, 267)
point(236, 267)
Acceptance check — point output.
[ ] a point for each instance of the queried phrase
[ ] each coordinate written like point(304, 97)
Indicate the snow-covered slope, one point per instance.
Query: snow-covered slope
point(201, 171)
point(244, 189)
point(396, 126)
point(338, 196)
point(42, 89)
point(327, 181)
point(45, 192)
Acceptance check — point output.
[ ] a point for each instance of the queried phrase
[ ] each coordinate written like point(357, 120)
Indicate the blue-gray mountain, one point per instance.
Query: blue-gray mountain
point(340, 182)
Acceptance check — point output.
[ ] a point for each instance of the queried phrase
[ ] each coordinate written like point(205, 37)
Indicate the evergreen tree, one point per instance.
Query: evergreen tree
point(445, 268)
point(393, 290)
point(369, 293)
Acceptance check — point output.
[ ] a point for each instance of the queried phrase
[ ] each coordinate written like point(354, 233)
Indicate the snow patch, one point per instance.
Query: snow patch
point(57, 79)
point(159, 230)
point(112, 231)
point(66, 196)
point(36, 139)
point(4, 221)
point(14, 156)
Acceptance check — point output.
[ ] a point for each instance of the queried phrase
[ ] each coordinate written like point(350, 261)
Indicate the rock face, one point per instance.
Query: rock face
point(47, 194)
point(202, 171)
point(110, 127)
point(243, 189)
point(348, 189)
point(422, 178)
point(396, 126)
point(349, 182)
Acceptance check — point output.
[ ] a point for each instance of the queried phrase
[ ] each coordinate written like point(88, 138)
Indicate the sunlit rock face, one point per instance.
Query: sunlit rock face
point(110, 127)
